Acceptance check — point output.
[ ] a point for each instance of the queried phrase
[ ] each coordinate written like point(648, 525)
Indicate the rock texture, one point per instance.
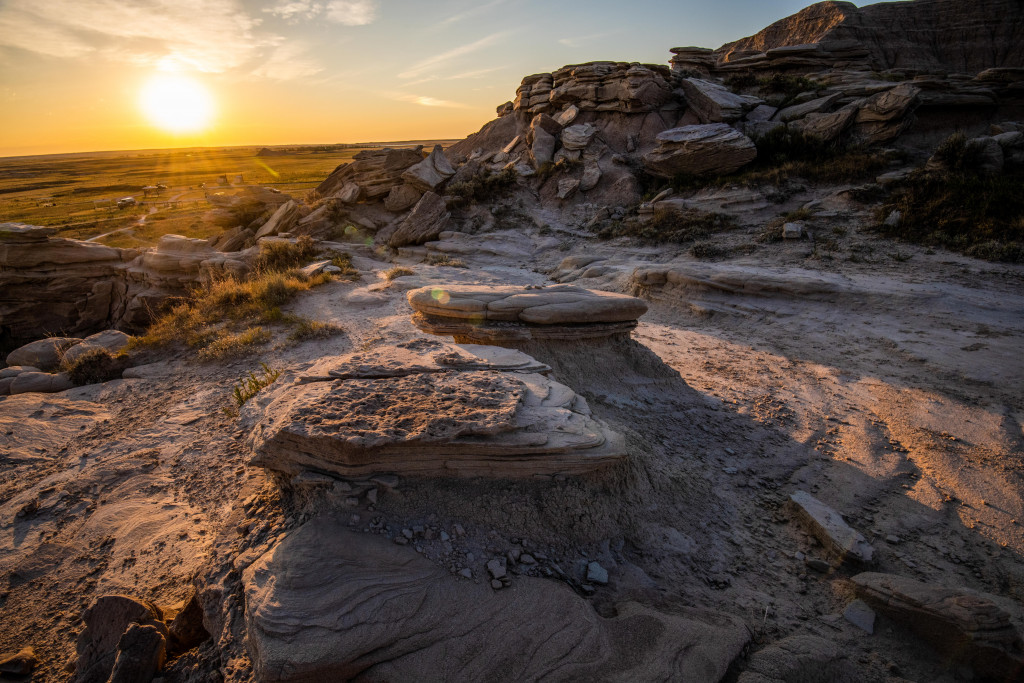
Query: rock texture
point(375, 171)
point(425, 222)
point(100, 645)
point(430, 173)
point(714, 103)
point(507, 314)
point(710, 149)
point(327, 604)
point(430, 409)
point(596, 86)
point(965, 627)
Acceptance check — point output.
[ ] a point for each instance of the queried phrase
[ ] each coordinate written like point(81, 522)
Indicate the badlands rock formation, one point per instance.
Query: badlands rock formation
point(505, 315)
point(425, 408)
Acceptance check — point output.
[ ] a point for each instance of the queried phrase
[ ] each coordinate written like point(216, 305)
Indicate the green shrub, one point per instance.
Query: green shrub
point(251, 385)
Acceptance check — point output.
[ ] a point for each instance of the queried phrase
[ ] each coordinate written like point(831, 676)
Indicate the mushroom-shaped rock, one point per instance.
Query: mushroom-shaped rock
point(427, 408)
point(707, 149)
point(487, 313)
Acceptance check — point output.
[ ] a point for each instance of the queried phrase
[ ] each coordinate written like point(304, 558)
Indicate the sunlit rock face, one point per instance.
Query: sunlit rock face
point(428, 408)
point(596, 86)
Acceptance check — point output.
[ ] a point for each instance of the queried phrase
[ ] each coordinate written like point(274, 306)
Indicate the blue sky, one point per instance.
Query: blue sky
point(296, 71)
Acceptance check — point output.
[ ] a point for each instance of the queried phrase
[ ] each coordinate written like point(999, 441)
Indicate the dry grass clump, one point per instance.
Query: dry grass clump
point(398, 271)
point(482, 187)
point(250, 386)
point(445, 260)
point(343, 260)
point(280, 255)
point(306, 329)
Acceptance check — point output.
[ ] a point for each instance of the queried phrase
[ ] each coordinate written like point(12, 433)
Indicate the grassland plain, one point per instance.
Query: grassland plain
point(78, 193)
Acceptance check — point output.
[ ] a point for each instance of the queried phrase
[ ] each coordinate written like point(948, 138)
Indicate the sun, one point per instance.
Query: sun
point(177, 104)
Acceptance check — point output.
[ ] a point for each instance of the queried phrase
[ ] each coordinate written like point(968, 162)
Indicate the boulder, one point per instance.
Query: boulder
point(824, 127)
point(376, 171)
point(578, 136)
point(815, 106)
point(425, 408)
point(884, 116)
point(311, 616)
point(965, 627)
point(591, 176)
point(567, 115)
point(714, 103)
point(567, 187)
point(39, 383)
point(141, 653)
point(350, 193)
point(542, 148)
point(20, 663)
point(425, 222)
point(708, 149)
point(430, 173)
point(107, 340)
point(106, 620)
point(45, 354)
point(830, 529)
point(282, 220)
point(402, 197)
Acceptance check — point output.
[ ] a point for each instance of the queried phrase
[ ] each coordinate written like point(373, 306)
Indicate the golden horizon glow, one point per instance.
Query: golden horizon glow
point(176, 103)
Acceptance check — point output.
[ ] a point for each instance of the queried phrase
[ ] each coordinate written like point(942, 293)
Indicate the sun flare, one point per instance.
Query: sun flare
point(177, 104)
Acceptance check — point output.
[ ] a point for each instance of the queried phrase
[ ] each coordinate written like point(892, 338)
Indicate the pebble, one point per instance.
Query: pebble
point(597, 574)
point(817, 565)
point(892, 539)
point(496, 569)
point(527, 558)
point(459, 531)
point(730, 470)
point(466, 573)
point(496, 585)
point(407, 533)
point(445, 536)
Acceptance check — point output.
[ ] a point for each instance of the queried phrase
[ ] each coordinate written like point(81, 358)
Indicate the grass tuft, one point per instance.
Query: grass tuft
point(251, 385)
point(306, 329)
point(482, 187)
point(398, 271)
point(95, 366)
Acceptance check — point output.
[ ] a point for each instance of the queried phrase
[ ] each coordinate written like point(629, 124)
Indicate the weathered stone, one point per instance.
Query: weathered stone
point(283, 220)
point(597, 574)
point(567, 115)
point(453, 413)
point(350, 193)
point(611, 86)
point(310, 616)
point(825, 127)
point(885, 116)
point(700, 150)
point(141, 652)
point(20, 663)
point(828, 527)
point(187, 630)
point(964, 626)
point(430, 173)
point(761, 112)
point(591, 176)
point(715, 103)
point(105, 622)
point(111, 341)
point(578, 136)
point(816, 106)
point(45, 354)
point(800, 658)
point(860, 615)
point(567, 187)
point(425, 222)
point(402, 197)
point(376, 171)
point(20, 233)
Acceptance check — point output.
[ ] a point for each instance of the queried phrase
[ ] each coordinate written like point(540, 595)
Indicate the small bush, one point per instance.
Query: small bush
point(670, 225)
point(708, 250)
point(786, 84)
point(398, 271)
point(279, 256)
point(482, 187)
point(343, 260)
point(251, 385)
point(95, 366)
point(954, 155)
point(445, 260)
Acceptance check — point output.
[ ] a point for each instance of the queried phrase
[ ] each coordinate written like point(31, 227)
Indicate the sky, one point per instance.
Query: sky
point(284, 72)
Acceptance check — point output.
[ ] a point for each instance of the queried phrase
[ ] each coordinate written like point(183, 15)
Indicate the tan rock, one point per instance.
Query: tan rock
point(376, 171)
point(107, 340)
point(282, 220)
point(430, 173)
point(39, 383)
point(425, 222)
point(715, 103)
point(401, 198)
point(310, 616)
point(708, 149)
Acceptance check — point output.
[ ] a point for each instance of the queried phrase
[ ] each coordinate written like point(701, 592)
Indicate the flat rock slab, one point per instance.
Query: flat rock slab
point(828, 526)
point(500, 314)
point(966, 627)
point(330, 604)
point(427, 409)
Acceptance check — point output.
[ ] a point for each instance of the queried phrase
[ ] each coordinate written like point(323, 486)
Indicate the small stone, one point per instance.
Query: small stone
point(792, 231)
point(401, 540)
point(407, 533)
point(459, 531)
point(820, 566)
point(371, 496)
point(19, 663)
point(514, 554)
point(892, 539)
point(730, 470)
point(597, 574)
point(860, 615)
point(496, 585)
point(466, 573)
point(445, 537)
point(527, 558)
point(496, 569)
point(388, 481)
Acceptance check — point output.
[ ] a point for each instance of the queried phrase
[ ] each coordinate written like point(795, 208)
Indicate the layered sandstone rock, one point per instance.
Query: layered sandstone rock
point(425, 222)
point(711, 149)
point(425, 408)
point(714, 103)
point(509, 314)
point(430, 173)
point(964, 626)
point(375, 171)
point(596, 86)
point(329, 604)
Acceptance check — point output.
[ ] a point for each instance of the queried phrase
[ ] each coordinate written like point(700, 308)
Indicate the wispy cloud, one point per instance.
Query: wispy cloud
point(210, 35)
point(435, 62)
point(296, 9)
point(347, 12)
point(472, 12)
point(580, 41)
point(288, 62)
point(425, 101)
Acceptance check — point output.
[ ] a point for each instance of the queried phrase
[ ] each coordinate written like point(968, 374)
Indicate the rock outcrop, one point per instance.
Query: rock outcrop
point(375, 171)
point(596, 86)
point(430, 173)
point(964, 626)
point(424, 408)
point(425, 222)
point(508, 314)
point(709, 149)
point(329, 604)
point(828, 526)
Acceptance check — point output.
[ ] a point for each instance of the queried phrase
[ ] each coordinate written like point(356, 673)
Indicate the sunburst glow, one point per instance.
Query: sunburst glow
point(177, 104)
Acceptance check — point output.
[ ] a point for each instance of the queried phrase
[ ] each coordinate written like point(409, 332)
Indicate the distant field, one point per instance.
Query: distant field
point(77, 193)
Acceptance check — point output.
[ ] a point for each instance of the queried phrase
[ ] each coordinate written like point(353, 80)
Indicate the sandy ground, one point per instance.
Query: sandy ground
point(896, 401)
